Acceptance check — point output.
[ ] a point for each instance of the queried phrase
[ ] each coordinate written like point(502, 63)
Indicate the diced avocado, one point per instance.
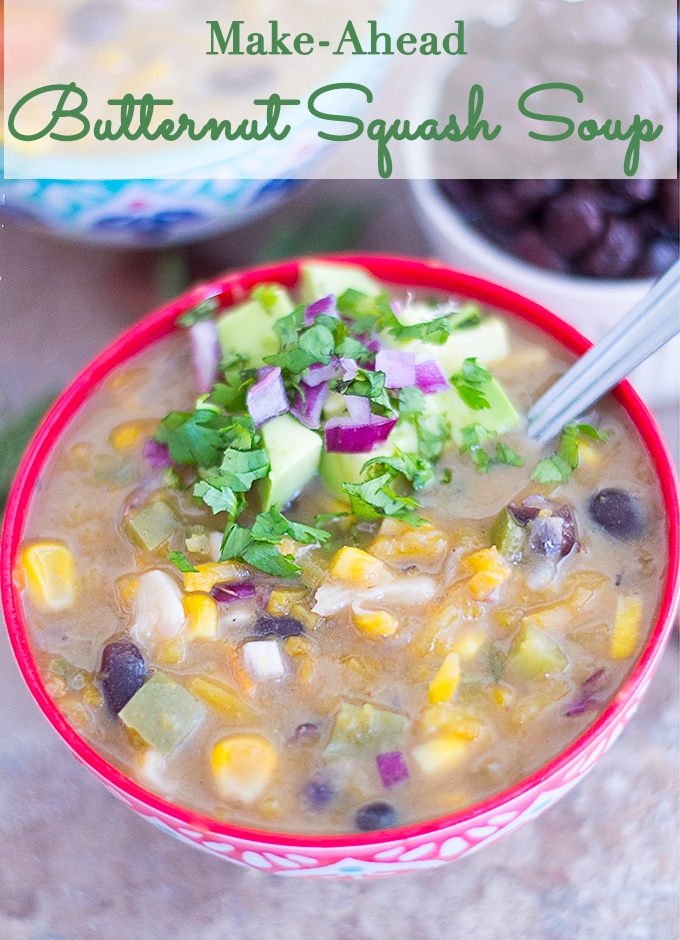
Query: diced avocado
point(336, 468)
point(321, 279)
point(487, 342)
point(248, 329)
point(294, 453)
point(163, 713)
point(153, 524)
point(507, 535)
point(499, 417)
point(534, 654)
point(365, 729)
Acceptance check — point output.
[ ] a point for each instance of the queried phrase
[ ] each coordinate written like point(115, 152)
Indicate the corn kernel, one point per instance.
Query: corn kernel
point(125, 436)
point(490, 571)
point(375, 622)
point(426, 546)
point(446, 718)
point(298, 646)
point(92, 696)
point(210, 573)
point(502, 695)
point(202, 615)
point(243, 765)
point(306, 616)
point(127, 587)
point(282, 599)
point(488, 559)
point(468, 644)
point(49, 574)
point(306, 671)
point(587, 454)
point(446, 680)
point(550, 618)
point(172, 652)
point(626, 626)
point(221, 698)
point(355, 566)
point(440, 754)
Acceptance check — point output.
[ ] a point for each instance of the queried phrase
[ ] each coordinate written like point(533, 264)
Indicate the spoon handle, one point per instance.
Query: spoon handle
point(651, 323)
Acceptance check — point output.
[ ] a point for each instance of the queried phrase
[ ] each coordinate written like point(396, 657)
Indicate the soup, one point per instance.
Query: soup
point(338, 589)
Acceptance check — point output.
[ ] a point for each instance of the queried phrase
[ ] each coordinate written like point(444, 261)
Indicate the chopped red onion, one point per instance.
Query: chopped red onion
point(399, 367)
point(226, 592)
point(205, 351)
point(156, 455)
point(392, 768)
point(267, 398)
point(430, 378)
point(318, 373)
point(349, 368)
point(323, 305)
point(345, 436)
point(583, 704)
point(309, 404)
point(359, 408)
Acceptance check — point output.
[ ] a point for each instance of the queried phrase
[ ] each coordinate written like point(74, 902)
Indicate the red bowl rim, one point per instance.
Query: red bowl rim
point(231, 288)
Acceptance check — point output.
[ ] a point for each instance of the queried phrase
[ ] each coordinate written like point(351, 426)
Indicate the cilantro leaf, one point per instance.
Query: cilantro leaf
point(220, 497)
point(203, 311)
point(411, 402)
point(587, 430)
point(434, 431)
point(258, 545)
point(473, 437)
point(469, 382)
point(438, 329)
point(181, 561)
point(192, 437)
point(268, 558)
point(366, 313)
point(366, 384)
point(560, 467)
point(506, 455)
point(272, 526)
point(375, 498)
point(418, 471)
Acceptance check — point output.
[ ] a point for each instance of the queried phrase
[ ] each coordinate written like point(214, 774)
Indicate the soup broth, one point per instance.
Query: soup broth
point(435, 637)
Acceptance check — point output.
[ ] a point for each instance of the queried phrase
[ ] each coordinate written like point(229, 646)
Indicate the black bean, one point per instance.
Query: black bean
point(463, 194)
point(122, 673)
point(530, 245)
point(377, 815)
point(618, 512)
point(318, 793)
point(533, 193)
point(657, 257)
point(669, 197)
point(639, 190)
point(572, 222)
point(615, 254)
point(500, 204)
point(278, 626)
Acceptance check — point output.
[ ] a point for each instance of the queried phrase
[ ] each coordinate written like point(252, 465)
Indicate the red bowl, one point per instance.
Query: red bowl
point(421, 845)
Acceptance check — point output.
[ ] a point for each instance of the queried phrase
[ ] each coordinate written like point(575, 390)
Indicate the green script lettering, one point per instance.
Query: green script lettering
point(347, 119)
point(536, 115)
point(641, 130)
point(59, 112)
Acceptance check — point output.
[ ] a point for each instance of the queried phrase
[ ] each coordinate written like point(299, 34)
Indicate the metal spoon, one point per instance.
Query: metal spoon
point(652, 322)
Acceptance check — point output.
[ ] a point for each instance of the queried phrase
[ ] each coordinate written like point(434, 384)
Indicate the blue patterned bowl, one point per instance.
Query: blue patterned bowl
point(193, 193)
